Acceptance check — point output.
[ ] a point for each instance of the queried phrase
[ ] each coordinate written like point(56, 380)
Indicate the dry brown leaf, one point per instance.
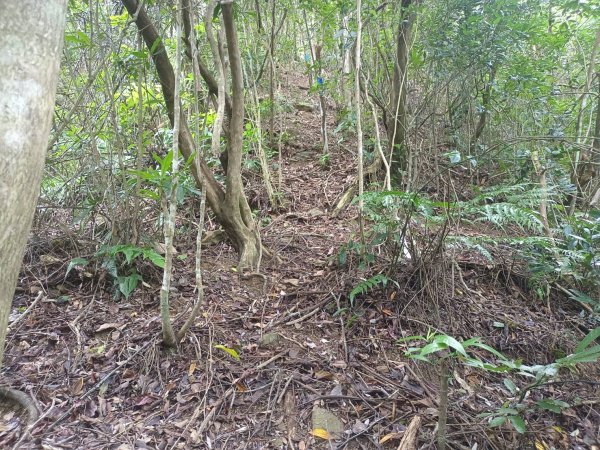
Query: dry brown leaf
point(390, 436)
point(77, 387)
point(323, 375)
point(107, 326)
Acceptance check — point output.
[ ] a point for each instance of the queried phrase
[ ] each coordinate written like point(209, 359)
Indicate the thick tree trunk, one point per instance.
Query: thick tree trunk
point(31, 36)
point(231, 206)
point(397, 117)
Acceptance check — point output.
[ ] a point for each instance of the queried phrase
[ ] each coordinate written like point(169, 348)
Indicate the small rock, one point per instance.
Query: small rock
point(306, 107)
point(326, 420)
point(315, 212)
point(270, 340)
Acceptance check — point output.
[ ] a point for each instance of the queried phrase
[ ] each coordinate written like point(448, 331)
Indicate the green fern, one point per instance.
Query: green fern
point(469, 243)
point(504, 205)
point(366, 285)
point(501, 214)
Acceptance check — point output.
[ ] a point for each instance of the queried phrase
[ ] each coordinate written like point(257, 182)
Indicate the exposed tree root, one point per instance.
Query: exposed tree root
point(350, 192)
point(10, 395)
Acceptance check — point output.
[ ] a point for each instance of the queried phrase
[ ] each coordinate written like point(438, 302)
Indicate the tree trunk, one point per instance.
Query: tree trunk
point(486, 99)
point(230, 207)
point(236, 209)
point(31, 36)
point(397, 119)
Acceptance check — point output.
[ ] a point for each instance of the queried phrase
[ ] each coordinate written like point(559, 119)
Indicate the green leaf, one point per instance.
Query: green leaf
point(589, 355)
point(410, 338)
point(591, 336)
point(510, 386)
point(508, 411)
point(155, 44)
point(497, 421)
point(518, 423)
point(451, 342)
point(128, 284)
point(551, 404)
point(231, 352)
point(156, 258)
point(76, 262)
point(475, 342)
point(130, 252)
point(432, 348)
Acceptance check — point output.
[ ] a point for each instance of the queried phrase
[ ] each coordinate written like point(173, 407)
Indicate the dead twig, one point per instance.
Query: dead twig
point(229, 392)
point(28, 310)
point(409, 440)
point(100, 382)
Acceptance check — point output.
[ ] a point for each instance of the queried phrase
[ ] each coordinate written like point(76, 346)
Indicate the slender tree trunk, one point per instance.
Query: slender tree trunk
point(595, 157)
point(230, 207)
point(486, 99)
point(31, 36)
point(272, 79)
point(169, 199)
point(397, 126)
point(581, 161)
point(359, 135)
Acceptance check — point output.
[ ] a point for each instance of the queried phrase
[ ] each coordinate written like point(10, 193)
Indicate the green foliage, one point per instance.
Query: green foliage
point(447, 347)
point(505, 205)
point(369, 284)
point(572, 257)
point(160, 179)
point(119, 262)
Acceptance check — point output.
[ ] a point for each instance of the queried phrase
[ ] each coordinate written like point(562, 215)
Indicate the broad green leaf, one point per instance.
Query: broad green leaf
point(76, 262)
point(432, 348)
point(497, 421)
point(475, 342)
point(156, 258)
point(518, 423)
point(591, 336)
point(550, 404)
point(451, 342)
point(128, 284)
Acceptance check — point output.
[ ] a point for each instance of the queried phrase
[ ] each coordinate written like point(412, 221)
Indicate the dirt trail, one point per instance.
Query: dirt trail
point(102, 380)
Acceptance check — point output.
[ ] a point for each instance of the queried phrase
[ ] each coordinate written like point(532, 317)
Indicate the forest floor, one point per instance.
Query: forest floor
point(309, 360)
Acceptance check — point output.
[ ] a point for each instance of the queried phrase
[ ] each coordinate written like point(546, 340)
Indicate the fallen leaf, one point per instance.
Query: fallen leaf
point(323, 375)
point(231, 352)
point(77, 387)
point(389, 437)
point(107, 326)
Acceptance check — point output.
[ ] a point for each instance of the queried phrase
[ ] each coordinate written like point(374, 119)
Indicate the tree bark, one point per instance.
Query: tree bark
point(397, 119)
point(31, 36)
point(230, 207)
point(209, 79)
point(236, 208)
point(486, 99)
